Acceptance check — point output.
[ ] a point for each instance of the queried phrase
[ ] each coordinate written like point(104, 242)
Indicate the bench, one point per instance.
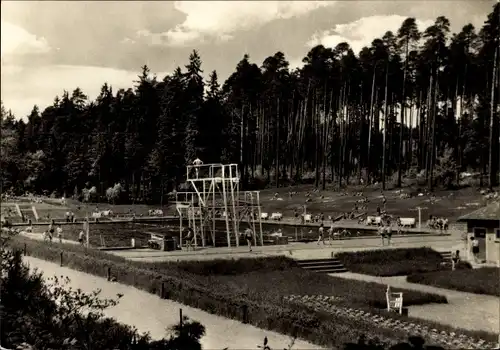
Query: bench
point(407, 222)
point(157, 242)
point(394, 301)
point(276, 216)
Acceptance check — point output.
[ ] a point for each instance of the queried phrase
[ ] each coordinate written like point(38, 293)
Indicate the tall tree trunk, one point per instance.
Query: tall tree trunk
point(402, 121)
point(492, 161)
point(324, 142)
point(317, 138)
point(428, 126)
point(409, 154)
point(342, 136)
point(242, 142)
point(370, 126)
point(361, 129)
point(278, 143)
point(347, 121)
point(433, 133)
point(384, 135)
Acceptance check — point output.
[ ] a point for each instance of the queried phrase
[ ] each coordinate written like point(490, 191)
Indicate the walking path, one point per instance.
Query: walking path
point(464, 310)
point(149, 313)
point(299, 251)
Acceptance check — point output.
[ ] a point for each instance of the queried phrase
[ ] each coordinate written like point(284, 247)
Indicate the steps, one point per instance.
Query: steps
point(330, 265)
point(446, 255)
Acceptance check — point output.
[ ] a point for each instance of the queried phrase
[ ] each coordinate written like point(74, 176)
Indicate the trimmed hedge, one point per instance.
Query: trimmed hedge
point(273, 285)
point(485, 280)
point(271, 313)
point(392, 262)
point(234, 266)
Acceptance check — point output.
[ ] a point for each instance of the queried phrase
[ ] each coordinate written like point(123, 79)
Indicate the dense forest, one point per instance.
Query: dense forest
point(421, 101)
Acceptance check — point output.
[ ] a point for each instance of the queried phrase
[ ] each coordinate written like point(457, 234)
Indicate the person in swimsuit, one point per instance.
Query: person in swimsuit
point(475, 248)
point(189, 238)
point(321, 236)
point(80, 237)
point(455, 259)
point(381, 232)
point(249, 237)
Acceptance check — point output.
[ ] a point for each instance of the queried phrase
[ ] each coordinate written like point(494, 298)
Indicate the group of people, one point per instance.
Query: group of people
point(57, 230)
point(437, 223)
point(70, 216)
point(49, 234)
point(332, 234)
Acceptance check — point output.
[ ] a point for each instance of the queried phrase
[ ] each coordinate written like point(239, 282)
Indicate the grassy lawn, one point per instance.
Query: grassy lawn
point(484, 280)
point(449, 204)
point(393, 262)
point(270, 279)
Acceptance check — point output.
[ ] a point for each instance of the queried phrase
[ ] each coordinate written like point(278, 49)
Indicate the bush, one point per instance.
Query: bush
point(233, 266)
point(392, 262)
point(484, 280)
point(259, 303)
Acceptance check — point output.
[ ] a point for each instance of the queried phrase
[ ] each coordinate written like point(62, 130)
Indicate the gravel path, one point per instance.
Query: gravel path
point(148, 313)
point(464, 310)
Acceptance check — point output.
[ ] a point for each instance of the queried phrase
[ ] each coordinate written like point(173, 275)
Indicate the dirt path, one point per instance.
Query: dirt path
point(464, 310)
point(148, 313)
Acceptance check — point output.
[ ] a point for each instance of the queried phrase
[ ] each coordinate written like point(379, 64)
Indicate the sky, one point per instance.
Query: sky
point(48, 47)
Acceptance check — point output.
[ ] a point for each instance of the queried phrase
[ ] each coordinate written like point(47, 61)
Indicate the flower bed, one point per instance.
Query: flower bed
point(484, 280)
point(444, 338)
point(216, 295)
point(392, 262)
point(273, 285)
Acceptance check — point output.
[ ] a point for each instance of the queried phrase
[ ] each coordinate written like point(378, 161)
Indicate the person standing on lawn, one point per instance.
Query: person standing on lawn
point(321, 232)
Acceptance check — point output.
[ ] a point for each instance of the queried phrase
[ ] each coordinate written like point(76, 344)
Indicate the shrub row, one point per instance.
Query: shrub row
point(484, 280)
point(234, 266)
point(271, 286)
point(392, 262)
point(281, 316)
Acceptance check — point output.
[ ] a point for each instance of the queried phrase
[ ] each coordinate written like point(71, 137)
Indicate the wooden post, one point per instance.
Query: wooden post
point(109, 273)
point(296, 234)
point(180, 323)
point(419, 218)
point(162, 292)
point(25, 250)
point(244, 310)
point(61, 258)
